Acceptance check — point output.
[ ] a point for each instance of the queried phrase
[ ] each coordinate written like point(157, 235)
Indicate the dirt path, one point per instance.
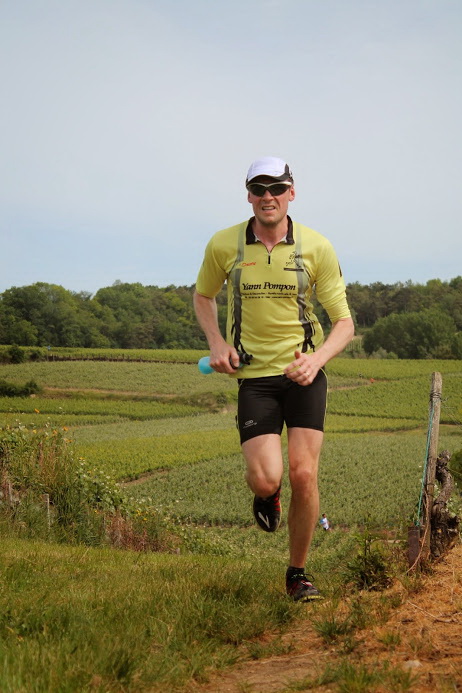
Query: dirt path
point(422, 636)
point(127, 394)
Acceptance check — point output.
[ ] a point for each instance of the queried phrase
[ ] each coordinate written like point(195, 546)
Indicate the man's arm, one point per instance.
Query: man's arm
point(220, 351)
point(305, 367)
point(340, 336)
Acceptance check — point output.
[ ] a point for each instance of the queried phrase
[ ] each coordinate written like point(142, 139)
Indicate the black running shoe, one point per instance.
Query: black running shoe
point(267, 511)
point(301, 589)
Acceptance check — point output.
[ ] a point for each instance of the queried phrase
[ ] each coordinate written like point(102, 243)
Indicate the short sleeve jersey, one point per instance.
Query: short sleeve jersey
point(270, 313)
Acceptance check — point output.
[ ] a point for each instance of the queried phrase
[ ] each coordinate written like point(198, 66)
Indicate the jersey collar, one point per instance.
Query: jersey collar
point(250, 237)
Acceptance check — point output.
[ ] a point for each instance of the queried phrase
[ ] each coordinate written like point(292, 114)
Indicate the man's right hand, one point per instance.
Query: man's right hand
point(224, 359)
point(222, 356)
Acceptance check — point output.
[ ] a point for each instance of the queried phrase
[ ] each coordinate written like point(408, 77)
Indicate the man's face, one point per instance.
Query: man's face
point(269, 210)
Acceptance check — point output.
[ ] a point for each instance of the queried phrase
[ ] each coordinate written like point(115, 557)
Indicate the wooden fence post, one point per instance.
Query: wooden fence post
point(413, 546)
point(432, 456)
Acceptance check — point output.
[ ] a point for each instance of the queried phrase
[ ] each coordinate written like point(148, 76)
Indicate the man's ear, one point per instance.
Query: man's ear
point(292, 194)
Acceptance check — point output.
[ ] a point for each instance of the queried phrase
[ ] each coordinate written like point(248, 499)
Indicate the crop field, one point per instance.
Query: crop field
point(167, 433)
point(82, 354)
point(404, 399)
point(125, 377)
point(94, 408)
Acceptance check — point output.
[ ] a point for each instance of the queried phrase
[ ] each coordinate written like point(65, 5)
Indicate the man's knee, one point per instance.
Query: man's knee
point(262, 483)
point(303, 478)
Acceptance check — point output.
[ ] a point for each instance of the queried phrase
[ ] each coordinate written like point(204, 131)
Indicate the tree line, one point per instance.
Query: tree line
point(404, 320)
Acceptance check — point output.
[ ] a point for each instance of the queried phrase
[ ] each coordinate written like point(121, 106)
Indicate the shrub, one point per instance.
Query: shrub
point(37, 355)
point(455, 467)
point(368, 569)
point(382, 353)
point(46, 492)
point(10, 390)
point(15, 354)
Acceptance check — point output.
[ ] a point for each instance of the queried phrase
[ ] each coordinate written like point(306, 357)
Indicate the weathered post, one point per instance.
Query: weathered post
point(432, 456)
point(413, 546)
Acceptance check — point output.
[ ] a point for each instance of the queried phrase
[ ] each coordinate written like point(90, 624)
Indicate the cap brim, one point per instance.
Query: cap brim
point(278, 179)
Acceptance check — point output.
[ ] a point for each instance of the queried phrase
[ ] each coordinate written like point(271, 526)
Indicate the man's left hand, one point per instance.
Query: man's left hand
point(304, 369)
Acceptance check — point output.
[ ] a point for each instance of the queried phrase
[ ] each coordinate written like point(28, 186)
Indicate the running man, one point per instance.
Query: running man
point(272, 265)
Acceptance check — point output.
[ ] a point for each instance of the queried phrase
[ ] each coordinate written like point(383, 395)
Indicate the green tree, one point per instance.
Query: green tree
point(456, 346)
point(14, 330)
point(43, 314)
point(417, 335)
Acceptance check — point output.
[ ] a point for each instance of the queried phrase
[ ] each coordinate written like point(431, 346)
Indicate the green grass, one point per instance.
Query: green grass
point(351, 677)
point(75, 619)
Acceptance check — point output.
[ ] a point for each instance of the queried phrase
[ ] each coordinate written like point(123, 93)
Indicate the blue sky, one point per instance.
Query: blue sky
point(127, 128)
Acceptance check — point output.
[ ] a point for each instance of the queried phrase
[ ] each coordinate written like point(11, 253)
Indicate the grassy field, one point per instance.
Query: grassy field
point(78, 619)
point(167, 434)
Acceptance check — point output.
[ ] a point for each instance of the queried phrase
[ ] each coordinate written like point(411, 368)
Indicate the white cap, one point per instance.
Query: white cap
point(269, 166)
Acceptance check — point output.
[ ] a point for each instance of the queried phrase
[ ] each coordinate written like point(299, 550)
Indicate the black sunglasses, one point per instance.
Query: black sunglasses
point(274, 189)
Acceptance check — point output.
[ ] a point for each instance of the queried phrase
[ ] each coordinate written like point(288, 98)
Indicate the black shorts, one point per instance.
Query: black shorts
point(265, 404)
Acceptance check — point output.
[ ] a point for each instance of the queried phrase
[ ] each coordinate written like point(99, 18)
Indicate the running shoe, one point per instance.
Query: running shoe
point(301, 589)
point(267, 511)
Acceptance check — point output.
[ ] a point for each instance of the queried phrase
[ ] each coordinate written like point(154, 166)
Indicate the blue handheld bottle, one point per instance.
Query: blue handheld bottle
point(205, 367)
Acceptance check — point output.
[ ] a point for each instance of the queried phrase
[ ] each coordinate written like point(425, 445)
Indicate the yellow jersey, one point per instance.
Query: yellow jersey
point(269, 310)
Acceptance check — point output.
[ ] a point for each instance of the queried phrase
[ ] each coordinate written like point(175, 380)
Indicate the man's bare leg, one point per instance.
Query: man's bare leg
point(264, 459)
point(304, 452)
point(263, 456)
